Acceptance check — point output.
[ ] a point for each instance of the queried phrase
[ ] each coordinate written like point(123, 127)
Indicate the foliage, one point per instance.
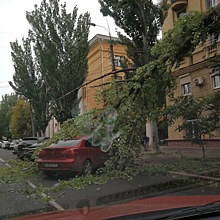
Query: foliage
point(200, 116)
point(20, 123)
point(188, 31)
point(133, 103)
point(8, 101)
point(26, 82)
point(181, 40)
point(52, 62)
point(144, 97)
point(141, 21)
point(204, 109)
point(79, 126)
point(17, 171)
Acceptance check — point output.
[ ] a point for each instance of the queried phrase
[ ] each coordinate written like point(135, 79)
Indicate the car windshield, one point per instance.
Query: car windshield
point(67, 143)
point(116, 106)
point(30, 139)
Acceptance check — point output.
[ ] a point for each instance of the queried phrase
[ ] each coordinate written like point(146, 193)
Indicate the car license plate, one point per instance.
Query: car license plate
point(51, 165)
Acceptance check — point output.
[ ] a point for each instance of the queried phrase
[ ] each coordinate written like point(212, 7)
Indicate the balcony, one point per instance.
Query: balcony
point(177, 5)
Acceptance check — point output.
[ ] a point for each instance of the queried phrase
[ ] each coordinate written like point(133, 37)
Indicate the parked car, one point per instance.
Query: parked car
point(29, 150)
point(27, 141)
point(14, 145)
point(78, 155)
point(8, 144)
point(3, 144)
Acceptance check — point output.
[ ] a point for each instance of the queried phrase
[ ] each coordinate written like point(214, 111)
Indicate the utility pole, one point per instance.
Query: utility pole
point(32, 120)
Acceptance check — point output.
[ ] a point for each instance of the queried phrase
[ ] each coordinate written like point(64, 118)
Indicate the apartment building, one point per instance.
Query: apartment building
point(99, 69)
point(192, 75)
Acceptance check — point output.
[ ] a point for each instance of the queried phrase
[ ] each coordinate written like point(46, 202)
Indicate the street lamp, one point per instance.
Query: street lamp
point(111, 45)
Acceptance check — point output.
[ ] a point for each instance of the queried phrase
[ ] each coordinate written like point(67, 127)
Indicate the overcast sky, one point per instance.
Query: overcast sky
point(13, 25)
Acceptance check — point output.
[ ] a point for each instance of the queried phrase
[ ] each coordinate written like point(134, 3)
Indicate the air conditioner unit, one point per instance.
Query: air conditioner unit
point(199, 81)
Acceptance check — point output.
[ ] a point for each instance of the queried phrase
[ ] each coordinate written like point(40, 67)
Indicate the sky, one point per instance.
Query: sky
point(13, 25)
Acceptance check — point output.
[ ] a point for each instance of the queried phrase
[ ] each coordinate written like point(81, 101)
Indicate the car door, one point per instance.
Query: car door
point(98, 157)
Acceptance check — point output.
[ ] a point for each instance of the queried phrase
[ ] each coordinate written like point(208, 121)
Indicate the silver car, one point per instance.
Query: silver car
point(4, 144)
point(14, 145)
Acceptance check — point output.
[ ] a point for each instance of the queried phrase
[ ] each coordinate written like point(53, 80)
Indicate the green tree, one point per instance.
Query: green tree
point(28, 82)
point(154, 80)
point(141, 20)
point(59, 47)
point(5, 114)
point(200, 116)
point(20, 123)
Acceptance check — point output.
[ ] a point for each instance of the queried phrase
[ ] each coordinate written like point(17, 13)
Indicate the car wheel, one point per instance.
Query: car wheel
point(87, 167)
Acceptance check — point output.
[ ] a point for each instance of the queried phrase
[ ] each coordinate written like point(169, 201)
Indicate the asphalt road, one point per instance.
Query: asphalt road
point(6, 155)
point(14, 202)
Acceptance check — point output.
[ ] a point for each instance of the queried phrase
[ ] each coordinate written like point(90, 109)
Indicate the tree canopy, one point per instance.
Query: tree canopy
point(52, 61)
point(20, 123)
point(141, 97)
point(8, 101)
point(141, 21)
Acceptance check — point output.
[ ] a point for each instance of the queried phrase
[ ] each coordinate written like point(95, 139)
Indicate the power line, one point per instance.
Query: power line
point(107, 74)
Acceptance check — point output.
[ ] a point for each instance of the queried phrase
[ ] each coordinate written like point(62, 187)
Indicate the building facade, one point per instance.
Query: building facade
point(99, 65)
point(52, 128)
point(192, 75)
point(99, 69)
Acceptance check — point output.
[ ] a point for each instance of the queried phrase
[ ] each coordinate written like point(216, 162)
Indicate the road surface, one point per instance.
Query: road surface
point(14, 202)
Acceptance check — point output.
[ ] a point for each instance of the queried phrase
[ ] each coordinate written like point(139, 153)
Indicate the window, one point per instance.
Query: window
point(66, 143)
point(186, 89)
point(211, 3)
point(212, 39)
point(88, 143)
point(181, 13)
point(119, 78)
point(216, 79)
point(185, 84)
point(118, 60)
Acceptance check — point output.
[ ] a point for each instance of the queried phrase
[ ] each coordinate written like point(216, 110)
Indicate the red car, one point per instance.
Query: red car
point(78, 155)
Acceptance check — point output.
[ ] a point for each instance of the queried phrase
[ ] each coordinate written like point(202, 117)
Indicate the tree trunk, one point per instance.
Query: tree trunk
point(201, 144)
point(154, 139)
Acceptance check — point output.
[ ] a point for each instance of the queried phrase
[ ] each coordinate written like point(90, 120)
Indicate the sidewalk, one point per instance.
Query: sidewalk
point(176, 153)
point(191, 151)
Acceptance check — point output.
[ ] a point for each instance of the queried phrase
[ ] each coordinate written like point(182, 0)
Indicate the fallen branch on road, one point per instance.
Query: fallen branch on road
point(196, 176)
point(27, 168)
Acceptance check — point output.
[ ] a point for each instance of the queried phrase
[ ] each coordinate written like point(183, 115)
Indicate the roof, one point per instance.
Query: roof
point(99, 37)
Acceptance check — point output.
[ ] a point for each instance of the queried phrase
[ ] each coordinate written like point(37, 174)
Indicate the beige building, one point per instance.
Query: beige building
point(99, 66)
point(193, 77)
